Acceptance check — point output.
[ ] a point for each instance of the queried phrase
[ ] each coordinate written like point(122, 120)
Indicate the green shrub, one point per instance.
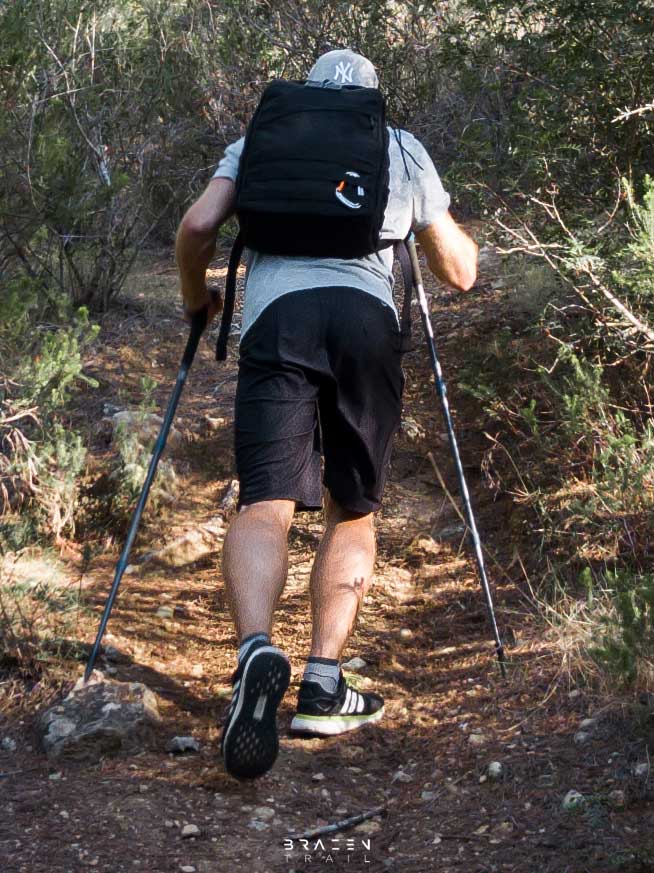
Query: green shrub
point(627, 648)
point(41, 453)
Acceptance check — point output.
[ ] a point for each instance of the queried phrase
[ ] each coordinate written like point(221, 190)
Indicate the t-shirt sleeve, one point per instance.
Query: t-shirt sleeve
point(430, 199)
point(228, 166)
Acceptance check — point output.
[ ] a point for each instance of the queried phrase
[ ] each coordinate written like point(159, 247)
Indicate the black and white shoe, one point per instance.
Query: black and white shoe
point(326, 714)
point(249, 742)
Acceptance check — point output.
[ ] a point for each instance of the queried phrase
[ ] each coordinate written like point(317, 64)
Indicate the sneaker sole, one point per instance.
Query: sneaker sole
point(250, 743)
point(331, 725)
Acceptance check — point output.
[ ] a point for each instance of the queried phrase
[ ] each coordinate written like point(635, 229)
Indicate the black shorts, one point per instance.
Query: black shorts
point(319, 373)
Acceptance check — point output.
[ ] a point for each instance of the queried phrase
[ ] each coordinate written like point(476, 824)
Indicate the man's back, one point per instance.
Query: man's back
point(416, 199)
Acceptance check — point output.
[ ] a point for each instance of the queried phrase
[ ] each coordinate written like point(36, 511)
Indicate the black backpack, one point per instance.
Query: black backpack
point(313, 177)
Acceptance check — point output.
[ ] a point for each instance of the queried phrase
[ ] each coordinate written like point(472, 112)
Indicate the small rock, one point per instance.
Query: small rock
point(180, 745)
point(401, 776)
point(258, 825)
point(588, 724)
point(581, 738)
point(197, 670)
point(318, 777)
point(451, 530)
point(506, 827)
point(145, 426)
point(55, 777)
point(165, 612)
point(495, 771)
point(187, 868)
point(406, 633)
point(8, 744)
point(214, 424)
point(617, 799)
point(423, 546)
point(477, 740)
point(368, 827)
point(229, 500)
point(641, 770)
point(411, 429)
point(573, 801)
point(354, 664)
point(264, 813)
point(169, 823)
point(190, 830)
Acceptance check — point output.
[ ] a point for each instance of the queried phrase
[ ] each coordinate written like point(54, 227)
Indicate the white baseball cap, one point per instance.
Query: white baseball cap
point(344, 67)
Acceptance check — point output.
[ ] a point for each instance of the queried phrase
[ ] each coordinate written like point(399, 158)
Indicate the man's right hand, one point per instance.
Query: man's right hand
point(213, 300)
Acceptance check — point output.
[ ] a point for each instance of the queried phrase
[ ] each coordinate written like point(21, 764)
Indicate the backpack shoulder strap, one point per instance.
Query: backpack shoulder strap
point(230, 297)
point(402, 253)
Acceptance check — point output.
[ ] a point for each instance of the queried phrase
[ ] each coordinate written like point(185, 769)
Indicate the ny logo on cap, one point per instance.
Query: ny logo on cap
point(344, 71)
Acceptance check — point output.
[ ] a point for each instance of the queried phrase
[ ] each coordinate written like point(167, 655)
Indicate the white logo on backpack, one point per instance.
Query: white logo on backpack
point(345, 72)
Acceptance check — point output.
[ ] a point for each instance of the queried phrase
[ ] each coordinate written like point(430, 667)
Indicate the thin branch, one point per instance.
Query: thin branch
point(340, 825)
point(629, 113)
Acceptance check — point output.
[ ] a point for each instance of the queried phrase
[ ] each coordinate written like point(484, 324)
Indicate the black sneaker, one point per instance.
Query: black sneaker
point(326, 714)
point(249, 742)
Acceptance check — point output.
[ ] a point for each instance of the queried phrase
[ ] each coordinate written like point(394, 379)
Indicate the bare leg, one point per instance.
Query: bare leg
point(255, 563)
point(340, 577)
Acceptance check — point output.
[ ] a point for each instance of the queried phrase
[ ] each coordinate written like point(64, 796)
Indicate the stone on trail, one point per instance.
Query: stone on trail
point(146, 426)
point(401, 776)
point(495, 771)
point(229, 499)
point(189, 548)
point(423, 546)
point(189, 831)
point(573, 801)
point(354, 664)
point(180, 745)
point(581, 738)
point(616, 798)
point(100, 718)
point(8, 744)
point(264, 813)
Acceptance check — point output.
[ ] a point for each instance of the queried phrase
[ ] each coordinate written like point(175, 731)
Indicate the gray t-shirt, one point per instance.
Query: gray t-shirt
point(416, 199)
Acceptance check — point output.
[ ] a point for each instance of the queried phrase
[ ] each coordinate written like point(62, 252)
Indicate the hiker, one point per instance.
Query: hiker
point(319, 374)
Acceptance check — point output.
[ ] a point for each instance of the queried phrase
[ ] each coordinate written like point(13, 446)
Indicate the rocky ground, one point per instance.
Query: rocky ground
point(466, 771)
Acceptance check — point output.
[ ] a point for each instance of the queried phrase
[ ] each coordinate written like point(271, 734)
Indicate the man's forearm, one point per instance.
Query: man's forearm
point(451, 254)
point(195, 244)
point(194, 251)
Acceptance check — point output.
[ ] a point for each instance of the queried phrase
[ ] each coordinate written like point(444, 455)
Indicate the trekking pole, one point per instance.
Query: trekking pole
point(442, 393)
point(198, 324)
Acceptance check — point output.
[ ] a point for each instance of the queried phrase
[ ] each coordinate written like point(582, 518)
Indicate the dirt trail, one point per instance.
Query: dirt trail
point(425, 640)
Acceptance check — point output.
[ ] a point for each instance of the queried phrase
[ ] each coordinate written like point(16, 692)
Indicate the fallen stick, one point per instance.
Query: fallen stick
point(340, 825)
point(16, 772)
